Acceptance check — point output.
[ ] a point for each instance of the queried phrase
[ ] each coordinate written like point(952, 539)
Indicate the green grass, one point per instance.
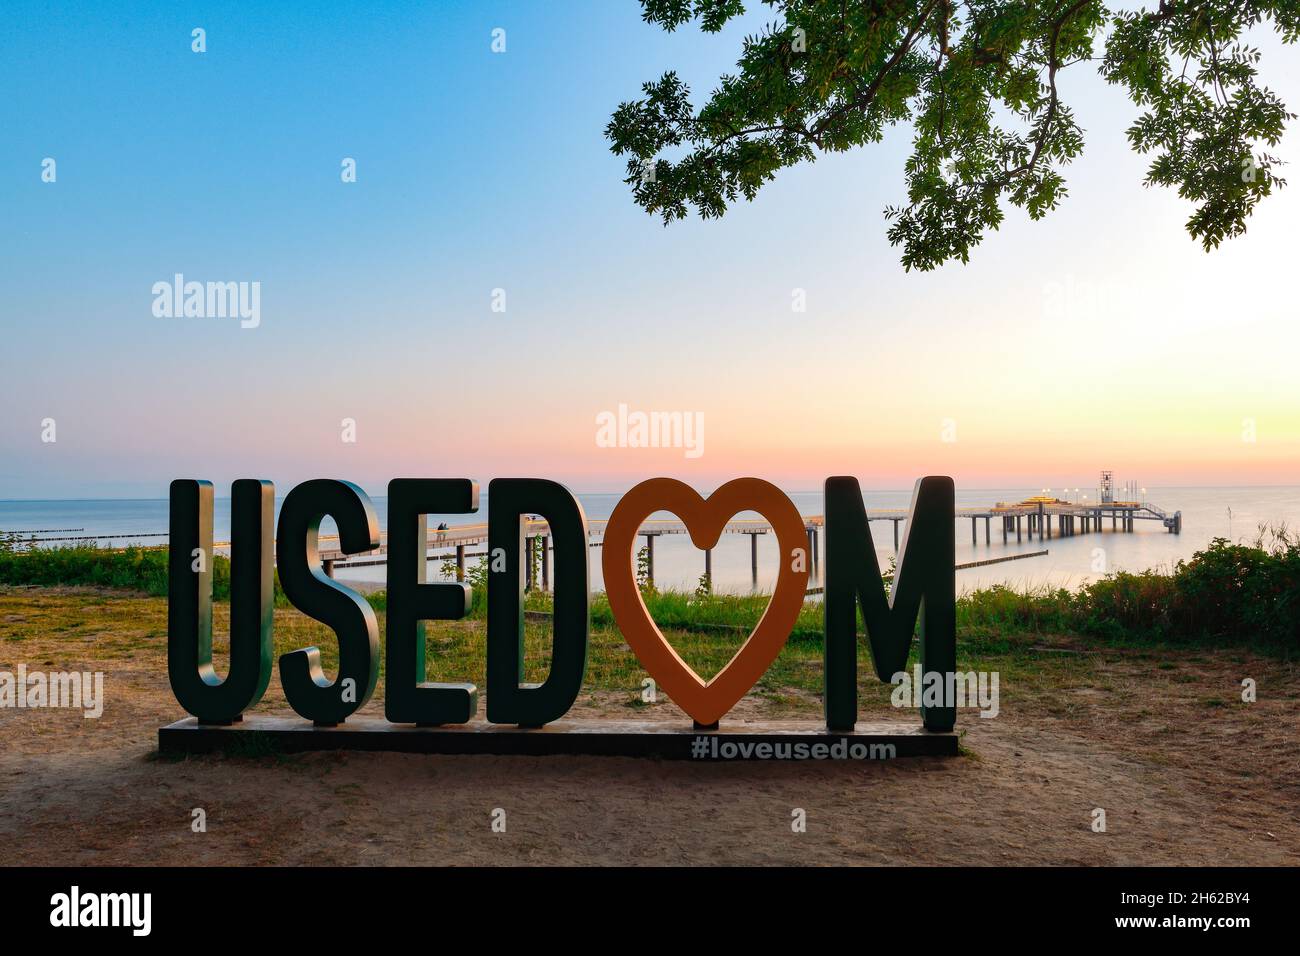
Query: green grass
point(136, 569)
point(1226, 595)
point(1060, 674)
point(132, 569)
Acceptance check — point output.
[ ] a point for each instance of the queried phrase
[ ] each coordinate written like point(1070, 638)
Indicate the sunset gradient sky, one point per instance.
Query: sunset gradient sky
point(1100, 337)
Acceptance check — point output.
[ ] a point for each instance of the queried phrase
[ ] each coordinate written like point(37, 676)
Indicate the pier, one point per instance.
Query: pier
point(1042, 516)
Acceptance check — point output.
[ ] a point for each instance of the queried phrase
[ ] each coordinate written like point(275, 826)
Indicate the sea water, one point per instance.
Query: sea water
point(1235, 513)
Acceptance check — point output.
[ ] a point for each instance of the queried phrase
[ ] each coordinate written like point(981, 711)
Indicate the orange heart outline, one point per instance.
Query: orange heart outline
point(705, 701)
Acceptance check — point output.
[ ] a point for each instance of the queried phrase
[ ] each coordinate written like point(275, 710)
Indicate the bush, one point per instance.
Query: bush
point(999, 608)
point(135, 569)
point(1227, 594)
point(139, 569)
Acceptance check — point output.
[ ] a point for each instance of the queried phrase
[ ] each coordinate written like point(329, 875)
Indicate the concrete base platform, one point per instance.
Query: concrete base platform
point(780, 740)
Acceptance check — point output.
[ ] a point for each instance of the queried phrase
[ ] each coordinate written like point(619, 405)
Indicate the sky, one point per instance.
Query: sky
point(1100, 337)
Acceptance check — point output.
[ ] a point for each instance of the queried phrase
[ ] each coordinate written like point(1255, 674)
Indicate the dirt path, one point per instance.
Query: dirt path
point(1185, 774)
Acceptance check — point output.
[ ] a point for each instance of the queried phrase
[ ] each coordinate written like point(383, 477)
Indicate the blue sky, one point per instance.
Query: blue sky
point(1101, 329)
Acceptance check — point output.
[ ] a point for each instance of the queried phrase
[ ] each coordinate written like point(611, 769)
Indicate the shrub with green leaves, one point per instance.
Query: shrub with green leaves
point(135, 569)
point(1226, 594)
point(138, 569)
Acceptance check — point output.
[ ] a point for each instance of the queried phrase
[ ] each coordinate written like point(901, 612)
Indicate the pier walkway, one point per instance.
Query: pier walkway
point(1040, 517)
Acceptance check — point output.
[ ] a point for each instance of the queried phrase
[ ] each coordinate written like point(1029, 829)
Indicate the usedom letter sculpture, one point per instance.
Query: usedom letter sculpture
point(189, 599)
point(923, 589)
point(297, 555)
point(924, 586)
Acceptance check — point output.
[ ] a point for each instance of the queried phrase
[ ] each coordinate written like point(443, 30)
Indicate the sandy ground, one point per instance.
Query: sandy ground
point(1182, 782)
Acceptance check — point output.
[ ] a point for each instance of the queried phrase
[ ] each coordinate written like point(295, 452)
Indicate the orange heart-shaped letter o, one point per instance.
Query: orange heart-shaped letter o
point(705, 701)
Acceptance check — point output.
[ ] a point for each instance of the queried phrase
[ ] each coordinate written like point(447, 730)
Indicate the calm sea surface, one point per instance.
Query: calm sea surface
point(1234, 513)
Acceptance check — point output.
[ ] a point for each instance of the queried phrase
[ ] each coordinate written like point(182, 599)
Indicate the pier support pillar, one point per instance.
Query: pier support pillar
point(650, 559)
point(460, 562)
point(546, 562)
point(328, 567)
point(895, 534)
point(753, 557)
point(972, 533)
point(987, 536)
point(1017, 529)
point(708, 567)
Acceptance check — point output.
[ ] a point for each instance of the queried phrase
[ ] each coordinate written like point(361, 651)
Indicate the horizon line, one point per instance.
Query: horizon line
point(797, 491)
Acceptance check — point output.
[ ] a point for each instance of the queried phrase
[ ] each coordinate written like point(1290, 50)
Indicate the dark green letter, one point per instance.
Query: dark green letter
point(189, 599)
point(408, 698)
point(509, 700)
point(925, 585)
point(309, 692)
